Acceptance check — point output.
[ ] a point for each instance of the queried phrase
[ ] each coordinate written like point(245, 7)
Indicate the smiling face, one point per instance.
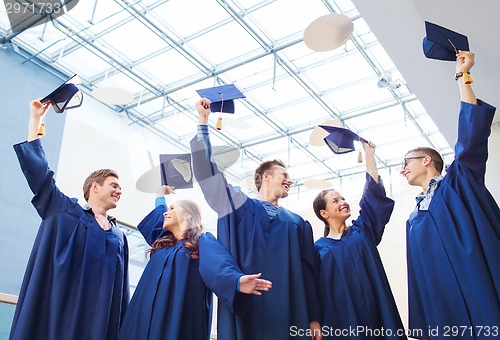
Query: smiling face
point(181, 216)
point(108, 194)
point(420, 165)
point(415, 168)
point(336, 208)
point(277, 181)
point(170, 220)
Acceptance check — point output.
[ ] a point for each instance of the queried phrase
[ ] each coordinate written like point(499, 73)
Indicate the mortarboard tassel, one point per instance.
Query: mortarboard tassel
point(41, 130)
point(360, 155)
point(467, 78)
point(218, 126)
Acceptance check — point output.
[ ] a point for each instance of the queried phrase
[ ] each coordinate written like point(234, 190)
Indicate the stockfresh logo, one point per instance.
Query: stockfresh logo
point(24, 14)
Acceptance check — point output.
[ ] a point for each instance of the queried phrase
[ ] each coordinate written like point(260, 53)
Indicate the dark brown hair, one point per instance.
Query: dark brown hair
point(191, 236)
point(263, 167)
point(97, 176)
point(436, 158)
point(319, 204)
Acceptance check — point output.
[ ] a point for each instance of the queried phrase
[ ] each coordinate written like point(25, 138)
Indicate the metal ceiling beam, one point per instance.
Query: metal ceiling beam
point(165, 37)
point(129, 73)
point(220, 70)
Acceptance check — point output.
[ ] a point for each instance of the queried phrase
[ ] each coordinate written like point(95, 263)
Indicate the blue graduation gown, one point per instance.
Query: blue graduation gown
point(171, 301)
point(76, 281)
point(454, 247)
point(281, 249)
point(354, 290)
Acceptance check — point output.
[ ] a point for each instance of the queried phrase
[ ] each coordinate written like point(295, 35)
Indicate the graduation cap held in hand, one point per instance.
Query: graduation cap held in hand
point(176, 171)
point(222, 99)
point(341, 140)
point(65, 97)
point(442, 43)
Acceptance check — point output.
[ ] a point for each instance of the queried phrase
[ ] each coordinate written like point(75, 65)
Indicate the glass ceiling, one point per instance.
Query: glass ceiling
point(161, 51)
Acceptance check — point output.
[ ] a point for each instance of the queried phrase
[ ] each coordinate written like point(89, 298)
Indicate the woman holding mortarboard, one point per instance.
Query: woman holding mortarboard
point(171, 300)
point(356, 300)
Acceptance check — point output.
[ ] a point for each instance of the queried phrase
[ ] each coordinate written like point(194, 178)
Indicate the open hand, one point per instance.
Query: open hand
point(251, 284)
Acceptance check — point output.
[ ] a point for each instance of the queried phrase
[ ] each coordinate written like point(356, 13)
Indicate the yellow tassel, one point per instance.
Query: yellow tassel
point(41, 130)
point(218, 126)
point(468, 78)
point(360, 157)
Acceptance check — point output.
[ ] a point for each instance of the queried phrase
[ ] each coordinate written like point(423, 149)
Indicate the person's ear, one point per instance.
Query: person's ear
point(266, 175)
point(323, 214)
point(427, 160)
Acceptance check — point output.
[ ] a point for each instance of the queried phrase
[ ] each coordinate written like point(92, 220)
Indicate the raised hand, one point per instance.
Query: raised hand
point(165, 190)
point(37, 111)
point(203, 107)
point(465, 61)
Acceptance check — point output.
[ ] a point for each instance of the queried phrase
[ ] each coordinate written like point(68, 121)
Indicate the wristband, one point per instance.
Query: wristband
point(467, 77)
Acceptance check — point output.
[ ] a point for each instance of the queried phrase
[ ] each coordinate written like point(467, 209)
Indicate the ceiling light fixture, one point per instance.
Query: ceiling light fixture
point(385, 80)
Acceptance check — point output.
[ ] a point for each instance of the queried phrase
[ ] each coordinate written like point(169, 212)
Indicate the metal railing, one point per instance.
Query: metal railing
point(8, 298)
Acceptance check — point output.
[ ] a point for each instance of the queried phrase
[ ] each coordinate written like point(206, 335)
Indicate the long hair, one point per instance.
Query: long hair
point(319, 204)
point(191, 236)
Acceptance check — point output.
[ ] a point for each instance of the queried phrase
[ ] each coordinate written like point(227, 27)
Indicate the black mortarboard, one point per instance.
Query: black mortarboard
point(176, 171)
point(67, 96)
point(340, 140)
point(442, 44)
point(221, 97)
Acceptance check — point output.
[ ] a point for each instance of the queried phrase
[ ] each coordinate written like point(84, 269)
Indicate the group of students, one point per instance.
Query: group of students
point(271, 279)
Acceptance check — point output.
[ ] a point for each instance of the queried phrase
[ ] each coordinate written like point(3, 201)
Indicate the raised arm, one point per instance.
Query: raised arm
point(474, 127)
point(376, 207)
point(371, 164)
point(37, 111)
point(151, 226)
point(465, 61)
point(222, 197)
point(48, 199)
point(203, 107)
point(161, 193)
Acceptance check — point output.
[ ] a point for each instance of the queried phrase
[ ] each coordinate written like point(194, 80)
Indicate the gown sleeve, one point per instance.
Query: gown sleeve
point(48, 199)
point(221, 196)
point(375, 209)
point(151, 227)
point(310, 263)
point(220, 272)
point(471, 149)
